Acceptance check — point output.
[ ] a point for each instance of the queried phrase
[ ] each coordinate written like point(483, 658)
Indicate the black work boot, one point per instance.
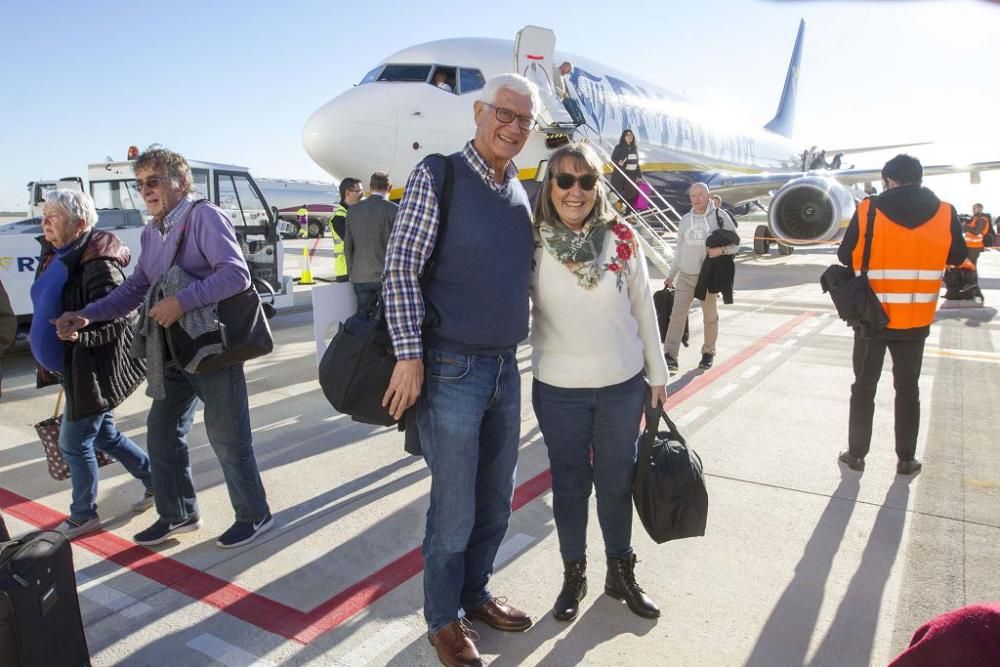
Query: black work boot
point(574, 588)
point(620, 584)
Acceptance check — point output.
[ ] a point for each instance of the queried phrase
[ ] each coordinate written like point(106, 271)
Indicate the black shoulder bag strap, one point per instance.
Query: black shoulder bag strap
point(869, 232)
point(718, 219)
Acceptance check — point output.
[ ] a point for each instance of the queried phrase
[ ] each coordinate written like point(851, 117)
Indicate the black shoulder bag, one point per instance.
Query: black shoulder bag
point(852, 294)
point(357, 366)
point(243, 329)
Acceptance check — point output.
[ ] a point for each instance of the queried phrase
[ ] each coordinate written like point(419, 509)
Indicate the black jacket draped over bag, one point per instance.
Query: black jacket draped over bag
point(718, 273)
point(99, 373)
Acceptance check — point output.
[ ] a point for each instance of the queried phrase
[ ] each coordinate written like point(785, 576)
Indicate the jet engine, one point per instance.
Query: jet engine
point(810, 210)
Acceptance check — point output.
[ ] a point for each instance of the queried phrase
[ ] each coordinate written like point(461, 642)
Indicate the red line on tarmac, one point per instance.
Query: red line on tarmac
point(315, 244)
point(281, 619)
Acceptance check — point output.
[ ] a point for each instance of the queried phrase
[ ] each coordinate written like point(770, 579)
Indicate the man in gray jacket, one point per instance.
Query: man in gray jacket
point(690, 254)
point(368, 225)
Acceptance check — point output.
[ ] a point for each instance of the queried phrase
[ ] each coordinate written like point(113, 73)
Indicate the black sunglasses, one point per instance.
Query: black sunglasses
point(567, 181)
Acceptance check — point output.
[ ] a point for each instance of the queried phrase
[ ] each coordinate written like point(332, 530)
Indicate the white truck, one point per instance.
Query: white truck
point(122, 211)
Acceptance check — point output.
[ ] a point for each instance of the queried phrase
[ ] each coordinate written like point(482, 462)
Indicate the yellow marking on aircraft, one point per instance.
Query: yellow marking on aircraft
point(6, 262)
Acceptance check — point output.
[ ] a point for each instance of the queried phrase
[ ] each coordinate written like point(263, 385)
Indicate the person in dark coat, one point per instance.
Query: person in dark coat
point(79, 265)
point(626, 158)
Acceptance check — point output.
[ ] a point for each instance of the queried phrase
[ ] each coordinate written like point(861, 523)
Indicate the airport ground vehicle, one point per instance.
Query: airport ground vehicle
point(122, 211)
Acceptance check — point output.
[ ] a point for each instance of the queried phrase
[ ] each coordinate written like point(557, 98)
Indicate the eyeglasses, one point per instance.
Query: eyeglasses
point(567, 181)
point(507, 116)
point(151, 182)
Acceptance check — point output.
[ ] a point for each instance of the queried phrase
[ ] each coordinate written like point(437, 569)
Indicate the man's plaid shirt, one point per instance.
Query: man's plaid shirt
point(410, 245)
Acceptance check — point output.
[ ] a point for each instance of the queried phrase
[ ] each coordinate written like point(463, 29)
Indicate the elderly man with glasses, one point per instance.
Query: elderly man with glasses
point(206, 248)
point(460, 374)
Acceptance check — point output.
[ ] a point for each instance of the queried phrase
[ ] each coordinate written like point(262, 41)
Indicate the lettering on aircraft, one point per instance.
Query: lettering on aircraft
point(24, 264)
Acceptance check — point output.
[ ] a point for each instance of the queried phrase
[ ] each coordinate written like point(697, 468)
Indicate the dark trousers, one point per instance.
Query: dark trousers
point(4, 535)
point(367, 294)
point(907, 356)
point(974, 254)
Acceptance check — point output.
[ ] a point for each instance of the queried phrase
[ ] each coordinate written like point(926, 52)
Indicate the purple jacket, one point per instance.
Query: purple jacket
point(209, 252)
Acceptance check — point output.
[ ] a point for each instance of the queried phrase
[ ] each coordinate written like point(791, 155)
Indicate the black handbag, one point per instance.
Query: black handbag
point(852, 295)
point(669, 488)
point(356, 368)
point(243, 329)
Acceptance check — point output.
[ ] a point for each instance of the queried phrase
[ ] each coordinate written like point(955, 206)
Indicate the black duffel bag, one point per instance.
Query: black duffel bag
point(669, 488)
point(357, 366)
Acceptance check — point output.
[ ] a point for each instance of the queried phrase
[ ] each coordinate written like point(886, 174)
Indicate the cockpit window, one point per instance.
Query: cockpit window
point(469, 80)
point(405, 73)
point(371, 76)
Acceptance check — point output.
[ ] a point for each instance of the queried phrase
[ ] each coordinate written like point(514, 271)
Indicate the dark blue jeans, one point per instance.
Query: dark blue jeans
point(366, 294)
point(227, 423)
point(77, 440)
point(591, 436)
point(469, 418)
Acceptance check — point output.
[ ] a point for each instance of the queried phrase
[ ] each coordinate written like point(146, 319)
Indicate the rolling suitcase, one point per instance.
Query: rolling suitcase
point(664, 301)
point(40, 623)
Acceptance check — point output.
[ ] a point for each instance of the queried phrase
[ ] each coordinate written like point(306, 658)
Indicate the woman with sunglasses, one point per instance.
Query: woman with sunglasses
point(625, 157)
point(595, 344)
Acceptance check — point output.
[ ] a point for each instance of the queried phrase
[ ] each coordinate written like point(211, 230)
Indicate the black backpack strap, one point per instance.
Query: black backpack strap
point(869, 232)
point(718, 219)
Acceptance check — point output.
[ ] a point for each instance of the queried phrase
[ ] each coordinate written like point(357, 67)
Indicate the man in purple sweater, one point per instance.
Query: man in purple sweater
point(211, 254)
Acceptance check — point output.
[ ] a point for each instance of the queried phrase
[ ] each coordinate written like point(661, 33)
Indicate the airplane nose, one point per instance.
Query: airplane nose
point(353, 131)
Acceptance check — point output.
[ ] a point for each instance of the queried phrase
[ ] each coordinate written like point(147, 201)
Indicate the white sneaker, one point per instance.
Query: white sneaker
point(148, 500)
point(72, 529)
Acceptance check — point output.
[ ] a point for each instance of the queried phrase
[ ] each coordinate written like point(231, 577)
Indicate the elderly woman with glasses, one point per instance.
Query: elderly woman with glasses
point(79, 265)
point(596, 357)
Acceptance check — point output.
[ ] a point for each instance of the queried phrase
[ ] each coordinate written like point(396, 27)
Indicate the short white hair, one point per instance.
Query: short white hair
point(77, 204)
point(514, 82)
point(700, 184)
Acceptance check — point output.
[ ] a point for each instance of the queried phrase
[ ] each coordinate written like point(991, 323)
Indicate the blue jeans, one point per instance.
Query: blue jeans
point(77, 440)
point(591, 436)
point(366, 294)
point(227, 424)
point(469, 418)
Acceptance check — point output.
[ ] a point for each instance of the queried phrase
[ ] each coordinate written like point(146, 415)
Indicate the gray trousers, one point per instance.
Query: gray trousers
point(684, 286)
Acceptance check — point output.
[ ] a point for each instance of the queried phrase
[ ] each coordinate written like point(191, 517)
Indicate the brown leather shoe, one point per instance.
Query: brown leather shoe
point(498, 614)
point(454, 645)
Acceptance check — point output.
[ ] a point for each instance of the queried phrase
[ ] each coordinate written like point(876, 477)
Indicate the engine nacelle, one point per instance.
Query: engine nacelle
point(811, 210)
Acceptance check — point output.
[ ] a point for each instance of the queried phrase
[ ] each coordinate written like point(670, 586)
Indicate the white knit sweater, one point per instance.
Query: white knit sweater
point(593, 338)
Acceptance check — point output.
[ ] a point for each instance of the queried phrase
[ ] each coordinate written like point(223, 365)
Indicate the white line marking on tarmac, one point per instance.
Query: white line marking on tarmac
point(369, 649)
point(802, 332)
point(750, 372)
point(691, 416)
point(110, 598)
point(774, 355)
point(226, 653)
point(511, 548)
point(788, 343)
point(725, 391)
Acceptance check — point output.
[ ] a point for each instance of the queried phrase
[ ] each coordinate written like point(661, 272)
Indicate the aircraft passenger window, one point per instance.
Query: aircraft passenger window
point(405, 73)
point(469, 80)
point(371, 76)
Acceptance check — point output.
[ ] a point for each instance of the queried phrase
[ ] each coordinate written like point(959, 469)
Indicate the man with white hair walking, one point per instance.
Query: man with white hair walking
point(689, 255)
point(460, 375)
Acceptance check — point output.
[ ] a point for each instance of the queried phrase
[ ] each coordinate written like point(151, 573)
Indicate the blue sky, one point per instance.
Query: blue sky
point(234, 82)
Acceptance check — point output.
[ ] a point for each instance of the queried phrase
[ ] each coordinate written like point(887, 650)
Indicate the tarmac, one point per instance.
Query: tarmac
point(804, 562)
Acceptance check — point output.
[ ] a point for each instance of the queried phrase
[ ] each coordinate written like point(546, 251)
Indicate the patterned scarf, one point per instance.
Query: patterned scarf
point(578, 252)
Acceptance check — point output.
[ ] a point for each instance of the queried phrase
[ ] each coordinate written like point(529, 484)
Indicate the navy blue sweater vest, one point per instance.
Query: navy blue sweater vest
point(479, 282)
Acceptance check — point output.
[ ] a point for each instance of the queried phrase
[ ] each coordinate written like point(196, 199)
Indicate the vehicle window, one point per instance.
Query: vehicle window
point(405, 73)
point(240, 202)
point(199, 179)
point(40, 191)
point(116, 194)
point(469, 80)
point(371, 76)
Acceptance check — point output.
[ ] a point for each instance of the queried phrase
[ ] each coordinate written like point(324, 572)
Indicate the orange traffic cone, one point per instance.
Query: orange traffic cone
point(306, 277)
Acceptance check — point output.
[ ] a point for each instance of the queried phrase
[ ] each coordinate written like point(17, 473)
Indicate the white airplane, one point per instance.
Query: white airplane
point(396, 115)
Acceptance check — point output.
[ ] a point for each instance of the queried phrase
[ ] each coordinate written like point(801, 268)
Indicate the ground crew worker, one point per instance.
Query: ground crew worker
point(915, 236)
point(350, 194)
point(975, 233)
point(302, 216)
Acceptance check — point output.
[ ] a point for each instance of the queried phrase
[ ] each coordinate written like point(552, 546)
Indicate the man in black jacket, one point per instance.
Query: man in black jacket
point(915, 236)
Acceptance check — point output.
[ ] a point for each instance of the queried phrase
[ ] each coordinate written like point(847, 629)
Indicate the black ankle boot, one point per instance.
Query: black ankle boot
point(574, 588)
point(620, 584)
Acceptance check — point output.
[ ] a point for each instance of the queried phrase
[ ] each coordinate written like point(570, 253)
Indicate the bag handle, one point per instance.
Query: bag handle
point(869, 232)
point(59, 396)
point(653, 417)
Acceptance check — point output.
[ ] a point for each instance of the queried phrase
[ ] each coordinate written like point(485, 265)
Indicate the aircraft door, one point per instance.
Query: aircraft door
point(534, 50)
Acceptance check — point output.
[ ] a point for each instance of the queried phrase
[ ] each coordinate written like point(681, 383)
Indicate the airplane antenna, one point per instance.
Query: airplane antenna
point(784, 119)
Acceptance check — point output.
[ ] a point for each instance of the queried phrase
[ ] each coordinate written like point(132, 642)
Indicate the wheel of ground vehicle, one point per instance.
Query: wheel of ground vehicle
point(315, 229)
point(785, 249)
point(760, 240)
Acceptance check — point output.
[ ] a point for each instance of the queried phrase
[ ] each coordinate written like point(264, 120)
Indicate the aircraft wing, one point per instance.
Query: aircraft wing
point(737, 188)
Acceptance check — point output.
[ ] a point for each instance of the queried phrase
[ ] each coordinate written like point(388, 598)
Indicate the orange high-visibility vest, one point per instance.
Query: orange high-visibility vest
point(972, 238)
point(906, 264)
